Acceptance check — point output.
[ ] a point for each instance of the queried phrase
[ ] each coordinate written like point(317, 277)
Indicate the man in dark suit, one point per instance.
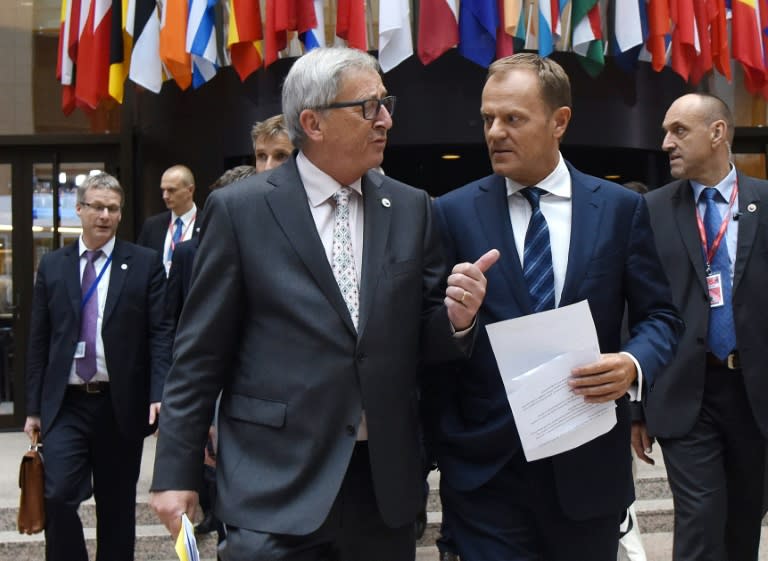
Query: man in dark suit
point(163, 231)
point(710, 408)
point(319, 447)
point(575, 238)
point(99, 350)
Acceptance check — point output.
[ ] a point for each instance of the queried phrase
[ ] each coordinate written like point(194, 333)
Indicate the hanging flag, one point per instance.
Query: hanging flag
point(143, 24)
point(685, 39)
point(438, 29)
point(284, 16)
point(93, 54)
point(119, 51)
point(705, 16)
point(76, 28)
point(719, 38)
point(747, 42)
point(395, 40)
point(588, 35)
point(173, 42)
point(201, 41)
point(65, 67)
point(504, 40)
point(548, 12)
point(659, 29)
point(315, 37)
point(350, 23)
point(478, 21)
point(245, 40)
point(630, 25)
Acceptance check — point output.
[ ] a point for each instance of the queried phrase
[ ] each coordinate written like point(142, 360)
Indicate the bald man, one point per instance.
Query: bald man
point(163, 231)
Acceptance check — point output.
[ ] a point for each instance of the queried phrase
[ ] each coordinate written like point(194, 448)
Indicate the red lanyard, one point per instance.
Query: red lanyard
point(721, 232)
point(183, 232)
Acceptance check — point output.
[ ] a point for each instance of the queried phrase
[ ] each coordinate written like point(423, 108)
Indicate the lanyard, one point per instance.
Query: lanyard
point(95, 283)
point(183, 232)
point(709, 254)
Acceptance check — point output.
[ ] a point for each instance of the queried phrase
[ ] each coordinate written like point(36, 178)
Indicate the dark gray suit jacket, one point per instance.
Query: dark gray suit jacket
point(675, 401)
point(265, 322)
point(136, 334)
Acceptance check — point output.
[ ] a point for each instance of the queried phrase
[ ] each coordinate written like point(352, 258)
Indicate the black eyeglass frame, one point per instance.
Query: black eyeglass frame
point(387, 102)
point(99, 209)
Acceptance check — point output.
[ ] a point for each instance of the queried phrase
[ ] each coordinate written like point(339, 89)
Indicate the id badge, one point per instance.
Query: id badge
point(80, 350)
point(715, 288)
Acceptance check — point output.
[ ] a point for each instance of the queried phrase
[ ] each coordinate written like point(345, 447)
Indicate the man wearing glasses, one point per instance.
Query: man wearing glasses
point(99, 350)
point(326, 280)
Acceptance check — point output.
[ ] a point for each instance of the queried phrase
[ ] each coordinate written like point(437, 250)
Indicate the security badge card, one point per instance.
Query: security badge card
point(715, 289)
point(80, 349)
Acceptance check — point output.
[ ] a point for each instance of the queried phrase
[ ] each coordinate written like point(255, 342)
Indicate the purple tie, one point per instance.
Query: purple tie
point(86, 366)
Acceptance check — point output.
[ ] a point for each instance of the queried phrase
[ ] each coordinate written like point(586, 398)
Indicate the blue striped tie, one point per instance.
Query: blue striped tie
point(721, 334)
point(537, 257)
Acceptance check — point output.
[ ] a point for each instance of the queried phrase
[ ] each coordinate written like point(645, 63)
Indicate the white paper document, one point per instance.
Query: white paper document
point(186, 544)
point(535, 355)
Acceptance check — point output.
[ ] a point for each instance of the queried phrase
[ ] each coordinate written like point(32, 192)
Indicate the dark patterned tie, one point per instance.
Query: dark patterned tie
point(342, 257)
point(86, 366)
point(176, 237)
point(537, 257)
point(721, 334)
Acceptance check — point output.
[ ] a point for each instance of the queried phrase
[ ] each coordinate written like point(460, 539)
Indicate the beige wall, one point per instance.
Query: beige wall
point(16, 26)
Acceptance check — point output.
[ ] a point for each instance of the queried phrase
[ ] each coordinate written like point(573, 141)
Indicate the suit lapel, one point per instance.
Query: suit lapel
point(749, 198)
point(375, 235)
point(493, 216)
point(684, 209)
point(72, 277)
point(586, 208)
point(288, 201)
point(118, 271)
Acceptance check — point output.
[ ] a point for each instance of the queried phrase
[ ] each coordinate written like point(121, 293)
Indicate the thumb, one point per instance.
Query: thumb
point(487, 260)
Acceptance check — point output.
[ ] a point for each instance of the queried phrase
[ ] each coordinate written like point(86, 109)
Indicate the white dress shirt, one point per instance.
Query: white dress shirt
point(320, 188)
point(556, 206)
point(101, 293)
point(187, 229)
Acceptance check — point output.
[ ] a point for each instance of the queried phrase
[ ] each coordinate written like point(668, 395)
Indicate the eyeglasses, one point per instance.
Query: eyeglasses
point(99, 209)
point(370, 107)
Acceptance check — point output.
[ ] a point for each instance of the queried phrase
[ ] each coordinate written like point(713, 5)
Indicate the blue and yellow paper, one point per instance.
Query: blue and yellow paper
point(186, 544)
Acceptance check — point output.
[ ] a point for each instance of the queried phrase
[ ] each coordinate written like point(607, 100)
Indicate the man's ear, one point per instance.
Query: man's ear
point(561, 117)
point(312, 124)
point(718, 132)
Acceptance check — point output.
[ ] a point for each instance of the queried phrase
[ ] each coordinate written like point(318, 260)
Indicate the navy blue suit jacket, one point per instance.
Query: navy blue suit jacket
point(612, 262)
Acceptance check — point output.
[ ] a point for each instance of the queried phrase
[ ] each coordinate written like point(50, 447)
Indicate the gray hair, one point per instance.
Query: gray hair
point(100, 181)
point(314, 81)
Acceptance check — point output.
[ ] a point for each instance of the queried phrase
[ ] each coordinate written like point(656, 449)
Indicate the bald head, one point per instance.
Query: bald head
point(178, 186)
point(699, 130)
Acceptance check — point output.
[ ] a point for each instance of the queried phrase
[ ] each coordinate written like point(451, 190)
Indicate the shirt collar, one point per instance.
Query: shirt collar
point(725, 187)
point(558, 182)
point(107, 248)
point(319, 185)
point(186, 218)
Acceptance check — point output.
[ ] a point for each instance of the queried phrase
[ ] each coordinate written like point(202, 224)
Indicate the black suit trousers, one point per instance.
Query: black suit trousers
point(353, 530)
point(717, 474)
point(86, 454)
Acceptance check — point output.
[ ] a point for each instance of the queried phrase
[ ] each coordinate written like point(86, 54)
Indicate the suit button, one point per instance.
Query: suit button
point(351, 430)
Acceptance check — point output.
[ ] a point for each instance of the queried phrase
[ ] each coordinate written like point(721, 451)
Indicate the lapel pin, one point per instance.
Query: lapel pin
point(124, 267)
point(386, 203)
point(751, 207)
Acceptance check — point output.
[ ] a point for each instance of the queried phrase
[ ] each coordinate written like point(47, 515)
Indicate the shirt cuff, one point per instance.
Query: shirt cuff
point(463, 332)
point(635, 391)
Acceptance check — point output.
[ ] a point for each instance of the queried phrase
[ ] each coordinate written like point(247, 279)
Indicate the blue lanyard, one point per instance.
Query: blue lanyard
point(95, 283)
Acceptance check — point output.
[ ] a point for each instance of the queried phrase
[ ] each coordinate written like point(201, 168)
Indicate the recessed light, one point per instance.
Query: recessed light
point(450, 156)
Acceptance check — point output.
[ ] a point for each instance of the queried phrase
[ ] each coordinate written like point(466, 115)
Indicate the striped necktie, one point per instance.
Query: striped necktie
point(537, 255)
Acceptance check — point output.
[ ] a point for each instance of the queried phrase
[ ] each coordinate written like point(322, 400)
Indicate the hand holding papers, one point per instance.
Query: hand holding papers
point(186, 544)
point(535, 355)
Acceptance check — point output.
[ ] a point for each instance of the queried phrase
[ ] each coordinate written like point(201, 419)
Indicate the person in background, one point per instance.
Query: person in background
point(271, 143)
point(99, 350)
point(163, 231)
point(709, 410)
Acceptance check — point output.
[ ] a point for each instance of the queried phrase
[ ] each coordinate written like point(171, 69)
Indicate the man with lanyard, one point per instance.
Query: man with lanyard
point(709, 409)
point(99, 350)
point(163, 231)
